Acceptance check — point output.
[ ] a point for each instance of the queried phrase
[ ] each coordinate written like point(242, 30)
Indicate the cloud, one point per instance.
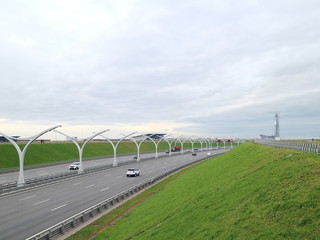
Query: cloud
point(194, 67)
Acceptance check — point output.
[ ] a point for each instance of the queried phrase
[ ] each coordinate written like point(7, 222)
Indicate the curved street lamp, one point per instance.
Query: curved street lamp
point(21, 180)
point(115, 147)
point(80, 149)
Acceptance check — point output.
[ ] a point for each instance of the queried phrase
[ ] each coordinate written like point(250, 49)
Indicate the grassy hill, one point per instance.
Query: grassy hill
point(251, 192)
point(54, 152)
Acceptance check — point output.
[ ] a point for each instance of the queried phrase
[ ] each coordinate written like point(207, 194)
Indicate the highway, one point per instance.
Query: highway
point(26, 213)
point(44, 171)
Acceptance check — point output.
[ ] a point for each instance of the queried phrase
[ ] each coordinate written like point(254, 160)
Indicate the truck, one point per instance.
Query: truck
point(175, 149)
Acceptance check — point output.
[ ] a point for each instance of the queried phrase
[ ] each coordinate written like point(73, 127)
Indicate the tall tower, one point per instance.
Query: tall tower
point(276, 127)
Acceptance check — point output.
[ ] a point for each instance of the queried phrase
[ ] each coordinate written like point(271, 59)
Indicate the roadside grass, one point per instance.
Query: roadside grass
point(250, 192)
point(54, 152)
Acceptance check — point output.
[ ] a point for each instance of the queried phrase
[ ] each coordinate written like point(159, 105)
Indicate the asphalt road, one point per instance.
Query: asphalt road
point(44, 171)
point(27, 213)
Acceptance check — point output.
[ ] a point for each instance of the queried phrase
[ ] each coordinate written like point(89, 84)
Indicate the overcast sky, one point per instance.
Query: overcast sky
point(211, 68)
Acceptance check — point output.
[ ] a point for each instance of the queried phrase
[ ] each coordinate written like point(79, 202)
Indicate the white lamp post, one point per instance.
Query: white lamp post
point(80, 149)
point(115, 147)
point(22, 153)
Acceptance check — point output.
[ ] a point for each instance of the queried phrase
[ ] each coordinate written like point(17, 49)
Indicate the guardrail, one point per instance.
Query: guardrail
point(31, 182)
point(299, 146)
point(69, 223)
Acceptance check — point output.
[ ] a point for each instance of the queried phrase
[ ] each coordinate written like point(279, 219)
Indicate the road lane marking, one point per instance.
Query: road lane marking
point(150, 171)
point(41, 202)
point(76, 183)
point(107, 175)
point(2, 177)
point(89, 186)
point(102, 190)
point(58, 207)
point(27, 197)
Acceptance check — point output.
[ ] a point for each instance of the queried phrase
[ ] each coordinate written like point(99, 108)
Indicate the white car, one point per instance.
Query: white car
point(133, 172)
point(74, 166)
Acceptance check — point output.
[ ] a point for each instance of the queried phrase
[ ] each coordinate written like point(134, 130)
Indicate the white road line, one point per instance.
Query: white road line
point(107, 175)
point(27, 197)
point(41, 202)
point(2, 177)
point(58, 207)
point(150, 171)
point(76, 183)
point(102, 190)
point(90, 186)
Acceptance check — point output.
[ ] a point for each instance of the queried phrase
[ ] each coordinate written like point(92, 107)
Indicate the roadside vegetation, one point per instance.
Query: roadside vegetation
point(250, 192)
point(44, 153)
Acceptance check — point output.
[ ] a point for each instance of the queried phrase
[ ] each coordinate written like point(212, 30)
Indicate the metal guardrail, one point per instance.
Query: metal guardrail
point(31, 182)
point(299, 146)
point(72, 222)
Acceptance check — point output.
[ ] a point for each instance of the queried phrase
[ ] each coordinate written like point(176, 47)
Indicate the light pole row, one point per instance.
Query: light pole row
point(182, 140)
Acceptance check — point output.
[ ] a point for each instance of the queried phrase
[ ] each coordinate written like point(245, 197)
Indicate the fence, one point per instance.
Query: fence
point(299, 146)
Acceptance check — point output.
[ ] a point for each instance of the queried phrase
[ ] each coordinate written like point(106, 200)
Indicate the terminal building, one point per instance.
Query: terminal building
point(3, 139)
point(153, 136)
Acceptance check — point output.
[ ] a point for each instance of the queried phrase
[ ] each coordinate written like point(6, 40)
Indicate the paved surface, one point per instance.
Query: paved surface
point(43, 171)
point(27, 213)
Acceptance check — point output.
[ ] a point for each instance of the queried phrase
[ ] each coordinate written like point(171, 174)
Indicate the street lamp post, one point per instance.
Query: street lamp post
point(21, 180)
point(115, 147)
point(80, 149)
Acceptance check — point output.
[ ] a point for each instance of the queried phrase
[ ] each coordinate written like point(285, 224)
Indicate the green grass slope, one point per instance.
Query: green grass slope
point(252, 192)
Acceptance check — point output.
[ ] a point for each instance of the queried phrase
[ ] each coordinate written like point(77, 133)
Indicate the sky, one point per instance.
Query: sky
point(194, 68)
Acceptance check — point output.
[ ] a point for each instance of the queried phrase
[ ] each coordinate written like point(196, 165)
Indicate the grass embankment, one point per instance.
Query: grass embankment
point(53, 152)
point(251, 192)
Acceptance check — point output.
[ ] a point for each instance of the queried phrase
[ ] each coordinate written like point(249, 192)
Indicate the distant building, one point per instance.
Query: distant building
point(276, 135)
point(3, 139)
point(153, 136)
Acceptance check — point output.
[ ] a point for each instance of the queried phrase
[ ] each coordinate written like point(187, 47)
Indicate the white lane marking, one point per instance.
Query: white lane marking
point(27, 197)
point(41, 202)
point(2, 177)
point(90, 186)
point(76, 183)
point(102, 190)
point(58, 207)
point(150, 171)
point(41, 171)
point(163, 167)
point(107, 175)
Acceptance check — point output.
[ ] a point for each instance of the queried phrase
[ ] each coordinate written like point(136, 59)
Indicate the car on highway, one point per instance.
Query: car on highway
point(74, 166)
point(133, 172)
point(194, 154)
